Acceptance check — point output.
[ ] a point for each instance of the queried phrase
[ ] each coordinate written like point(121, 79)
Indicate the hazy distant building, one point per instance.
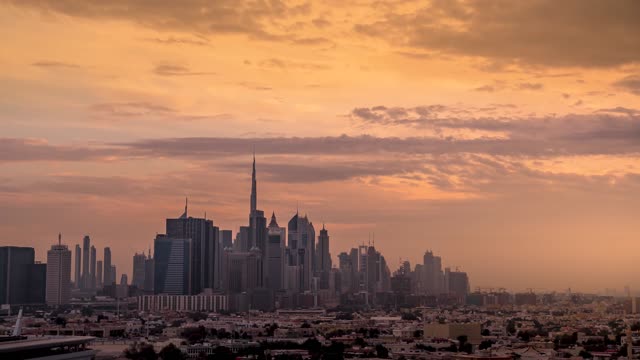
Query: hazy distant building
point(458, 283)
point(22, 281)
point(99, 277)
point(301, 246)
point(86, 254)
point(78, 266)
point(172, 264)
point(323, 261)
point(274, 268)
point(92, 268)
point(124, 280)
point(226, 238)
point(58, 288)
point(138, 274)
point(107, 267)
point(204, 236)
point(243, 271)
point(112, 274)
point(149, 264)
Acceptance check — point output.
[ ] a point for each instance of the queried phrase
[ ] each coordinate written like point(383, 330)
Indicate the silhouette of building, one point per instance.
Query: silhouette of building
point(22, 281)
point(107, 267)
point(99, 277)
point(58, 287)
point(138, 274)
point(323, 261)
point(149, 264)
point(86, 253)
point(78, 266)
point(226, 238)
point(301, 249)
point(172, 265)
point(92, 268)
point(204, 237)
point(274, 277)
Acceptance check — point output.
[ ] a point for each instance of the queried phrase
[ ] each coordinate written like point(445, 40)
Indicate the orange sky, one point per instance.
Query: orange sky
point(503, 135)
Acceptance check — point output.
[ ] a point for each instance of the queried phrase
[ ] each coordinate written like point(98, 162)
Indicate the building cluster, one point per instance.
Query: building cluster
point(265, 266)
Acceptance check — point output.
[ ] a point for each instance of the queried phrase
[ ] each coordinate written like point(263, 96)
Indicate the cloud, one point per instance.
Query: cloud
point(630, 83)
point(131, 109)
point(55, 64)
point(254, 18)
point(171, 40)
point(530, 86)
point(590, 33)
point(177, 70)
point(486, 88)
point(278, 63)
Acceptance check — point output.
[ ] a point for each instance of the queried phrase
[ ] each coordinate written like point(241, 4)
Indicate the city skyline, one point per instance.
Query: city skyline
point(503, 138)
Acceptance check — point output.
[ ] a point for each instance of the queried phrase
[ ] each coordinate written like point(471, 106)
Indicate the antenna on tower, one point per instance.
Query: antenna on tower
point(59, 238)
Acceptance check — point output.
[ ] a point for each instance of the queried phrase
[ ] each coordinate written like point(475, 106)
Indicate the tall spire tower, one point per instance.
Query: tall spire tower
point(254, 195)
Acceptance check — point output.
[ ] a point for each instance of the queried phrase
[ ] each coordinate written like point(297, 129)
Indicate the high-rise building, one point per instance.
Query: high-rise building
point(58, 288)
point(124, 280)
point(107, 267)
point(244, 271)
point(323, 262)
point(99, 277)
point(257, 221)
point(172, 265)
point(226, 237)
point(274, 268)
point(458, 283)
point(86, 245)
point(138, 270)
point(301, 246)
point(92, 268)
point(78, 265)
point(113, 275)
point(149, 264)
point(204, 236)
point(21, 279)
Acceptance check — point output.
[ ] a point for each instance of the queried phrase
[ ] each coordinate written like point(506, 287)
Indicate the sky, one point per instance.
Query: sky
point(502, 135)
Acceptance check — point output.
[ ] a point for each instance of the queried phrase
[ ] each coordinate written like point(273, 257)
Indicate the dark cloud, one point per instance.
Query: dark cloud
point(585, 33)
point(55, 64)
point(177, 70)
point(254, 18)
point(530, 86)
point(630, 83)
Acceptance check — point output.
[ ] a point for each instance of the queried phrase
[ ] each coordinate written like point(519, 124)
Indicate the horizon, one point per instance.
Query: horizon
point(505, 138)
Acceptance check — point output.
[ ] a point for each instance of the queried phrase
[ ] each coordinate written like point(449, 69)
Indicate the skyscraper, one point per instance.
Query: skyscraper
point(274, 267)
point(138, 270)
point(21, 279)
point(58, 274)
point(149, 265)
point(78, 266)
point(301, 249)
point(172, 265)
point(226, 237)
point(203, 235)
point(257, 221)
point(92, 268)
point(99, 277)
point(86, 244)
point(107, 267)
point(323, 261)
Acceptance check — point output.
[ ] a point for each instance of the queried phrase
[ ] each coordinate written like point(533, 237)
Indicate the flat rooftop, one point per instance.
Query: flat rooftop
point(45, 342)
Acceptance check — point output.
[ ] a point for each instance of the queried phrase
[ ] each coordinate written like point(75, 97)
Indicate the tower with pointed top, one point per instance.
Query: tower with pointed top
point(274, 267)
point(323, 261)
point(257, 223)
